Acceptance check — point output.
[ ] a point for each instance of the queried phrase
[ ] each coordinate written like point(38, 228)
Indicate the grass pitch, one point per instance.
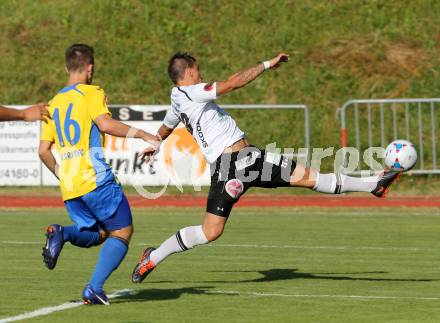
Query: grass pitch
point(278, 265)
point(340, 49)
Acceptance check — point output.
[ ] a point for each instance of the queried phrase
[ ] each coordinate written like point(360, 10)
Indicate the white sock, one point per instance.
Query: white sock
point(193, 236)
point(358, 184)
point(184, 239)
point(340, 183)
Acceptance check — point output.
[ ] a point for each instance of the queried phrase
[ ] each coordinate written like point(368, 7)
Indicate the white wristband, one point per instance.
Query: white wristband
point(266, 65)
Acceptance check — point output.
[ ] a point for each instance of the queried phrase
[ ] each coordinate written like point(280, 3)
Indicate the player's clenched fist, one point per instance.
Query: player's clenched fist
point(277, 60)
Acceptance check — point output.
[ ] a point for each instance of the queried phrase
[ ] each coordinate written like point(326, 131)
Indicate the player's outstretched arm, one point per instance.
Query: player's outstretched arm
point(110, 126)
point(46, 156)
point(33, 113)
point(243, 78)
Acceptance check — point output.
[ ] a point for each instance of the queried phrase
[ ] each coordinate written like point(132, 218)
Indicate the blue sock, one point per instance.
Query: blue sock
point(83, 239)
point(112, 253)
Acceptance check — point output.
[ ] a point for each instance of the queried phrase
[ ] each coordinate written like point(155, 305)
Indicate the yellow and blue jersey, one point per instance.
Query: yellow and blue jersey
point(82, 167)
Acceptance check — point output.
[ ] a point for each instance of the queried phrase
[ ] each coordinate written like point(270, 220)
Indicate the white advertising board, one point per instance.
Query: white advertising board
point(19, 163)
point(179, 162)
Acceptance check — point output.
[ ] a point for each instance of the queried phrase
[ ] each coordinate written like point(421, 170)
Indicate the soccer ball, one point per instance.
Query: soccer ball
point(400, 156)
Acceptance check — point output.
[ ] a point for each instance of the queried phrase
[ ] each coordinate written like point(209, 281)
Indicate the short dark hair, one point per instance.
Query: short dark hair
point(78, 56)
point(178, 64)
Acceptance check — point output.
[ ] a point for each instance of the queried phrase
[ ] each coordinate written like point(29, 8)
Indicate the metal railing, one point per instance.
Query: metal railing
point(305, 156)
point(369, 123)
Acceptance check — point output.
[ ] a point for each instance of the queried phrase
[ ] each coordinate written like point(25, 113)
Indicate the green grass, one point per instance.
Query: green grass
point(407, 185)
point(359, 252)
point(340, 50)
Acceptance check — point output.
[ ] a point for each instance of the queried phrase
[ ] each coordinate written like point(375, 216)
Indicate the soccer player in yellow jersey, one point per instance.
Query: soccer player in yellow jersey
point(92, 196)
point(33, 113)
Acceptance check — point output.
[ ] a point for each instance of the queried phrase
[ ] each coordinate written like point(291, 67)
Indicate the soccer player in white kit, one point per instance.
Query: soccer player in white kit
point(235, 164)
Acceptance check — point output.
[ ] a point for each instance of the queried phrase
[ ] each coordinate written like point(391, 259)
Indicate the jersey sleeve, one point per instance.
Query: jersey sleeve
point(171, 119)
point(47, 131)
point(97, 103)
point(203, 92)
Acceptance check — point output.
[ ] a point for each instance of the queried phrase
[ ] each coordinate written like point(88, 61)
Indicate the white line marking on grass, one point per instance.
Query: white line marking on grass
point(263, 246)
point(347, 212)
point(318, 247)
point(323, 296)
point(62, 307)
point(266, 246)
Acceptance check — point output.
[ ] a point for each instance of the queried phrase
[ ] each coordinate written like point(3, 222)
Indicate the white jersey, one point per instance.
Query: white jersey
point(211, 126)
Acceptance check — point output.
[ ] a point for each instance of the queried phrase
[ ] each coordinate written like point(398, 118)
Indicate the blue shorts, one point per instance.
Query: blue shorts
point(106, 207)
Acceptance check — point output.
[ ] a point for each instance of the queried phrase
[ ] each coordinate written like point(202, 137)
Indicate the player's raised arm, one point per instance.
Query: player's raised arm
point(33, 113)
point(243, 78)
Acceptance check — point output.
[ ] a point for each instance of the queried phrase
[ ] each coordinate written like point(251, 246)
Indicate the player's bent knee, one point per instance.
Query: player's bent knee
point(213, 226)
point(123, 234)
point(213, 233)
point(103, 235)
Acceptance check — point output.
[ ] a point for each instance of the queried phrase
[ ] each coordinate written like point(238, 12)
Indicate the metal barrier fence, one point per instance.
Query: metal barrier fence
point(375, 123)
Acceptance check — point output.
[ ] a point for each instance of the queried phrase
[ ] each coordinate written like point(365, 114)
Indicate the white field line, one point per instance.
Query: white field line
point(62, 307)
point(224, 292)
point(357, 212)
point(266, 246)
point(48, 310)
point(319, 247)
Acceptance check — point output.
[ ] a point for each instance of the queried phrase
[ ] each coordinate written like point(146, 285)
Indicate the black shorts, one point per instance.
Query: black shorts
point(234, 173)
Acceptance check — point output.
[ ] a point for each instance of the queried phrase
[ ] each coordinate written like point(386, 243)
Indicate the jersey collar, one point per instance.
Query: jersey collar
point(71, 87)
